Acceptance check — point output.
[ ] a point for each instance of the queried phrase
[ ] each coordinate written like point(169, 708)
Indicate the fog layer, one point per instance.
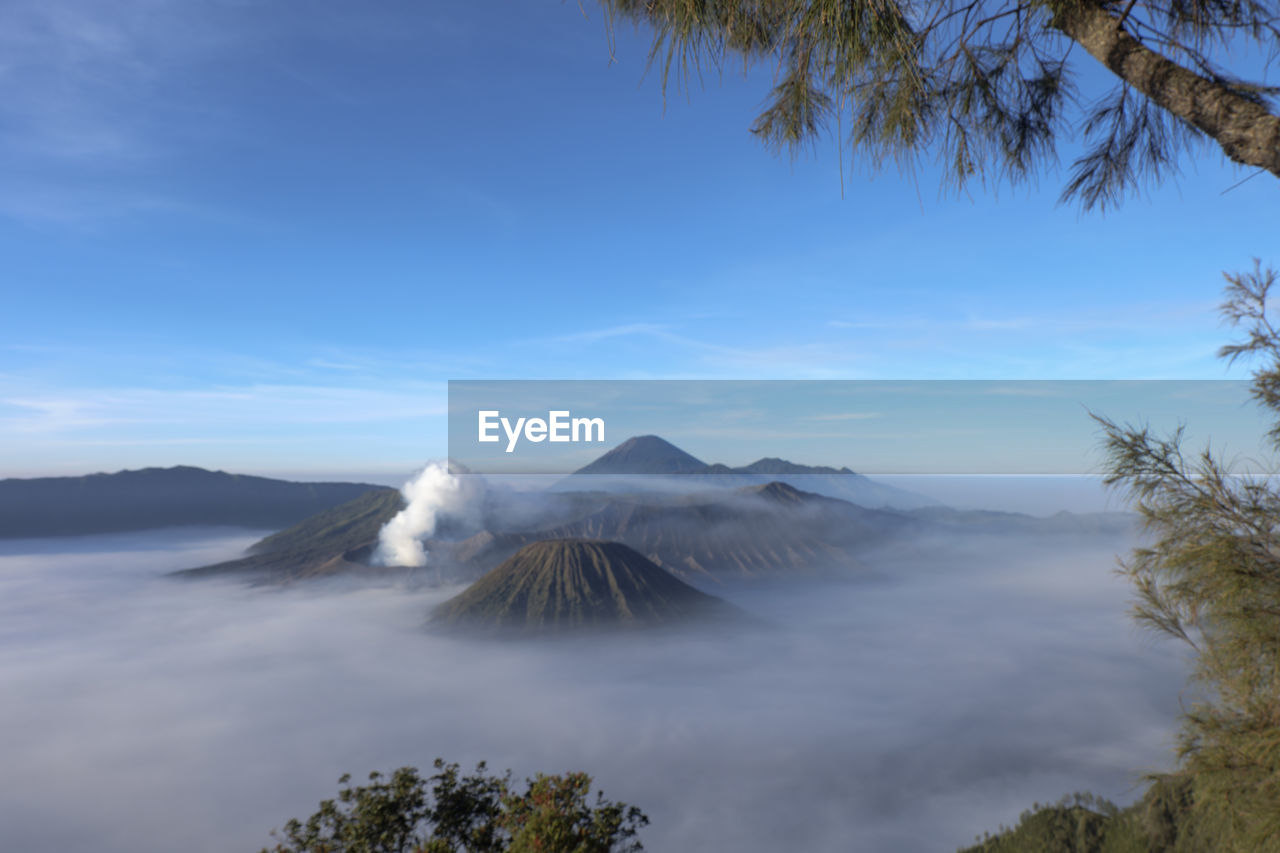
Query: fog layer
point(905, 711)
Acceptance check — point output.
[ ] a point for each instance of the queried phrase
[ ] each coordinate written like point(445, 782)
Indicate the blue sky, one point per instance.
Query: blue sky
point(261, 237)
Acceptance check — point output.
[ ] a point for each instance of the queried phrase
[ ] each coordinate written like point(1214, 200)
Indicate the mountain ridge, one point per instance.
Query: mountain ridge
point(152, 498)
point(759, 531)
point(651, 456)
point(339, 539)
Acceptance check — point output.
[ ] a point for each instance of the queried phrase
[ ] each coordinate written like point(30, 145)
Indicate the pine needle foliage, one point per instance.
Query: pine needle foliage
point(989, 87)
point(1211, 579)
point(1160, 822)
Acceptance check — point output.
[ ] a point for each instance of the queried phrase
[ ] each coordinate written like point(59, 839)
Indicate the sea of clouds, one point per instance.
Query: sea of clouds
point(905, 710)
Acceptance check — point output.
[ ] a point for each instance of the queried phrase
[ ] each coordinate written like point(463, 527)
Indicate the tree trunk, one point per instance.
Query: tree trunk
point(1247, 132)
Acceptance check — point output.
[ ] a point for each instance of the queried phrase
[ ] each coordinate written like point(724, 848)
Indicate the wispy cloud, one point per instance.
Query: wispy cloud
point(626, 330)
point(847, 416)
point(899, 323)
point(78, 205)
point(704, 358)
point(85, 105)
point(326, 364)
point(103, 84)
point(252, 407)
point(970, 324)
point(99, 99)
point(76, 74)
point(995, 324)
point(1142, 316)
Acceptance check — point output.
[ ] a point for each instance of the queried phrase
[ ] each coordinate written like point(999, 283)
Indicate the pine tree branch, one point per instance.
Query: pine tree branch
point(1247, 132)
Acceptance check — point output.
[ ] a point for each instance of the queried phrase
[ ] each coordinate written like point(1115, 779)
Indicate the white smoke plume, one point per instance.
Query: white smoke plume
point(432, 494)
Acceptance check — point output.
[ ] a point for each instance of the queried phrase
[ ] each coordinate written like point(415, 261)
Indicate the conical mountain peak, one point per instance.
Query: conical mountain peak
point(558, 585)
point(645, 454)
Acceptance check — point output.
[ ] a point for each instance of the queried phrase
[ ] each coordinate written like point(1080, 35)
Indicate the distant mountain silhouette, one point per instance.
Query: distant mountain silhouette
point(160, 497)
point(778, 492)
point(771, 466)
point(646, 454)
point(644, 462)
point(1063, 523)
point(574, 584)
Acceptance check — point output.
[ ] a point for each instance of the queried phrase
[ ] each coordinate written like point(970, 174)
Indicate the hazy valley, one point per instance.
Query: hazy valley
point(899, 679)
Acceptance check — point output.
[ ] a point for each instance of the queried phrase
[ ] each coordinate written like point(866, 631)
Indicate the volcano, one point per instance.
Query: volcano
point(646, 454)
point(334, 541)
point(562, 585)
